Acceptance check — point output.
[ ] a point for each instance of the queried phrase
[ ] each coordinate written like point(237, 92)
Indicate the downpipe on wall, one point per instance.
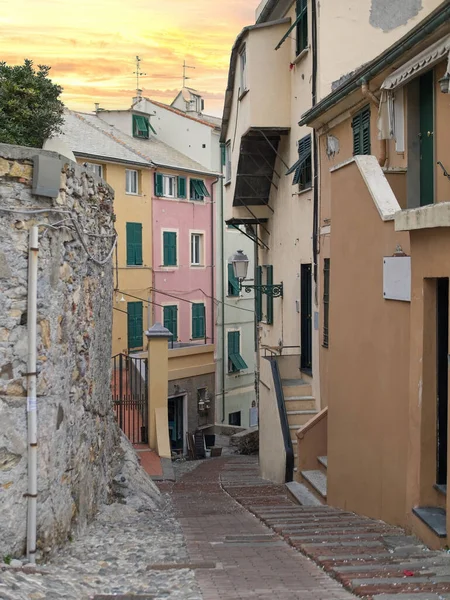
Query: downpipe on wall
point(31, 392)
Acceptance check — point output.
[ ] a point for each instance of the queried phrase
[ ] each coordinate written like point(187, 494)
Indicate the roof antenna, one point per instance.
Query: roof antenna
point(138, 74)
point(185, 66)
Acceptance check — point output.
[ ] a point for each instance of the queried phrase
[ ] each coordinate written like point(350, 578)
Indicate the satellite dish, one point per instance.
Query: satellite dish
point(60, 147)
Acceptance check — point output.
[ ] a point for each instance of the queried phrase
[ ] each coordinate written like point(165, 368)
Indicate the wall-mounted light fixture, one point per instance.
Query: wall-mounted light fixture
point(240, 268)
point(445, 83)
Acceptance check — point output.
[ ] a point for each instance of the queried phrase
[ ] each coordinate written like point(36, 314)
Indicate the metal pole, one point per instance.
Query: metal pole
point(31, 393)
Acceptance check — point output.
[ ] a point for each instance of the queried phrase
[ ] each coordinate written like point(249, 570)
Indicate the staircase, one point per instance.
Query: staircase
point(316, 479)
point(300, 406)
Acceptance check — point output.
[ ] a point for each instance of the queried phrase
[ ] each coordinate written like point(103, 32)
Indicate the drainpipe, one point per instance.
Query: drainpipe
point(382, 148)
point(222, 290)
point(213, 262)
point(31, 393)
point(315, 236)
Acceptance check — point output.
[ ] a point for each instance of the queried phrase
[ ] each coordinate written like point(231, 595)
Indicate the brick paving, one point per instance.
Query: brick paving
point(249, 559)
point(370, 558)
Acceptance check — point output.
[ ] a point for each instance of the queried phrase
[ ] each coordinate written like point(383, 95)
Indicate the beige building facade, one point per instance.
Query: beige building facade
point(383, 286)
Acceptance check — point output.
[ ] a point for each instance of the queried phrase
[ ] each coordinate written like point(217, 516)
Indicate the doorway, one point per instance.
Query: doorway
point(306, 318)
point(426, 137)
point(442, 297)
point(177, 424)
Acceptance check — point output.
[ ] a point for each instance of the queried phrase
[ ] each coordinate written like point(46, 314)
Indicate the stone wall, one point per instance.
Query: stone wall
point(80, 454)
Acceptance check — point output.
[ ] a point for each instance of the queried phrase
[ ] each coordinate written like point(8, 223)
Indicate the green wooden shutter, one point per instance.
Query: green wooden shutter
point(135, 325)
point(170, 316)
point(134, 243)
point(258, 294)
point(236, 362)
point(326, 302)
point(169, 248)
point(223, 154)
point(233, 282)
point(181, 187)
point(130, 244)
point(356, 125)
point(198, 321)
point(269, 273)
point(159, 190)
point(365, 134)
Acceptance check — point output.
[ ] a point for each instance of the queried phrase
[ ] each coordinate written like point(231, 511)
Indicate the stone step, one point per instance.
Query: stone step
point(434, 517)
point(297, 418)
point(296, 387)
point(300, 494)
point(317, 481)
point(300, 402)
point(323, 461)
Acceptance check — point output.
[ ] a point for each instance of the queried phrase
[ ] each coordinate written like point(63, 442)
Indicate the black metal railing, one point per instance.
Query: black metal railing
point(129, 390)
point(288, 447)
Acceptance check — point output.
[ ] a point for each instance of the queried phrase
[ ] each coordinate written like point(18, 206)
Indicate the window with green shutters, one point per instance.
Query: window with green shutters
point(233, 282)
point(361, 132)
point(140, 126)
point(326, 302)
point(302, 25)
point(235, 361)
point(181, 187)
point(134, 244)
point(269, 299)
point(159, 184)
point(171, 320)
point(258, 294)
point(169, 249)
point(135, 325)
point(302, 168)
point(198, 321)
point(264, 302)
point(198, 190)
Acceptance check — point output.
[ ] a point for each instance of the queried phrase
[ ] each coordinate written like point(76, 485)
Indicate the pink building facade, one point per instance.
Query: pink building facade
point(183, 254)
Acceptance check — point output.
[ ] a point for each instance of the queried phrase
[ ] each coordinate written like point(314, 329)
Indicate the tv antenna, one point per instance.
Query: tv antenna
point(138, 74)
point(185, 66)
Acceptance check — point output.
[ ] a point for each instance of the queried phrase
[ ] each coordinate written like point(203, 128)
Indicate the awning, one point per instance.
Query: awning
point(420, 63)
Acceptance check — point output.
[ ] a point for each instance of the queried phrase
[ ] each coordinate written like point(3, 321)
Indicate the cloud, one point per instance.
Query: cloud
point(93, 59)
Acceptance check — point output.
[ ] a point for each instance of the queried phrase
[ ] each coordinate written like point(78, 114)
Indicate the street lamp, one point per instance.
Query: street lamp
point(240, 268)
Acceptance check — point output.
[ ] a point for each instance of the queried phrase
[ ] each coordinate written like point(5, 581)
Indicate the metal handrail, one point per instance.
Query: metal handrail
point(288, 447)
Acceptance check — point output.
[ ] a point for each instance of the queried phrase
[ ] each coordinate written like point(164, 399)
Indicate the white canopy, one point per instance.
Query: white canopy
point(420, 63)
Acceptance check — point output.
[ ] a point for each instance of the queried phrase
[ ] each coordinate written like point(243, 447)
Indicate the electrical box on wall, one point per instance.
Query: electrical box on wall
point(397, 278)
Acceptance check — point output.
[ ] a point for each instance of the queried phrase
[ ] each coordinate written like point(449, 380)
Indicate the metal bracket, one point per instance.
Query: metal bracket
point(274, 291)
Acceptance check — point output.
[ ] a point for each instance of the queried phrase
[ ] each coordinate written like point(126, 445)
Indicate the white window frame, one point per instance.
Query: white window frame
point(228, 162)
point(166, 185)
point(95, 168)
point(132, 177)
point(243, 68)
point(197, 261)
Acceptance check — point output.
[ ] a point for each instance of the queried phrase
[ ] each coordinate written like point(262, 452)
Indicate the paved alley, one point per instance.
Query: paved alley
point(236, 555)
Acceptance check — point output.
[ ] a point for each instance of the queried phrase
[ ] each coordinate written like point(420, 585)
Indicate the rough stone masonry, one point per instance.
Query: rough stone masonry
point(82, 460)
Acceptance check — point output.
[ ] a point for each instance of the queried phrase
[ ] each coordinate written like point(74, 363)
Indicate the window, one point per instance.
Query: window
point(169, 186)
point(233, 282)
point(243, 68)
point(198, 321)
point(134, 244)
point(142, 127)
point(97, 169)
point(135, 325)
point(302, 26)
point(196, 248)
point(326, 301)
point(235, 419)
point(235, 361)
point(131, 182)
point(169, 248)
point(198, 190)
point(170, 318)
point(228, 162)
point(361, 132)
point(181, 187)
point(302, 169)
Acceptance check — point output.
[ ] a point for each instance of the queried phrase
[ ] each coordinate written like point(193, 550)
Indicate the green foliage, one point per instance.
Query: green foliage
point(7, 559)
point(30, 109)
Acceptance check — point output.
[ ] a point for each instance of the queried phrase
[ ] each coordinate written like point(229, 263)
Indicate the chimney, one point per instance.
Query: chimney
point(97, 107)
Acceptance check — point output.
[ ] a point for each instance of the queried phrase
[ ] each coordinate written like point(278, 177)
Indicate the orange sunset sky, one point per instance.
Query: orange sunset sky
point(91, 45)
